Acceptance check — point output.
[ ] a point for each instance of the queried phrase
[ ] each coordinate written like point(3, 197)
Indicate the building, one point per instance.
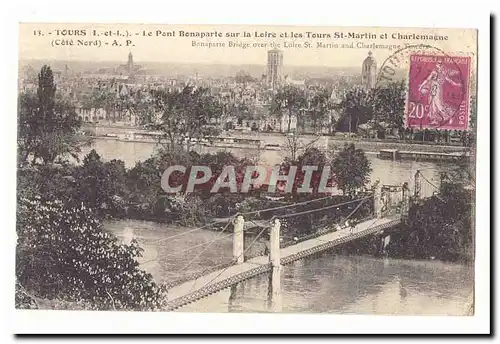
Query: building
point(274, 68)
point(129, 68)
point(369, 72)
point(296, 83)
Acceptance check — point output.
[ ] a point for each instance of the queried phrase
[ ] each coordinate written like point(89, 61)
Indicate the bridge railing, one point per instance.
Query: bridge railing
point(334, 217)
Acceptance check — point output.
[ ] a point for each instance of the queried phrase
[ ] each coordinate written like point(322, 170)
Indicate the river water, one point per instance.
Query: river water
point(329, 283)
point(389, 172)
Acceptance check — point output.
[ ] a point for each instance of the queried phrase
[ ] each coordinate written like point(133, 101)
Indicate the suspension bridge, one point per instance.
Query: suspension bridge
point(377, 212)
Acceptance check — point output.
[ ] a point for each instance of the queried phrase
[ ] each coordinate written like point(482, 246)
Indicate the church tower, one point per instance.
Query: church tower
point(369, 72)
point(274, 68)
point(130, 63)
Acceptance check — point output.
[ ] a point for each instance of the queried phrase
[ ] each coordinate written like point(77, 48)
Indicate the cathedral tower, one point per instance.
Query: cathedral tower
point(369, 72)
point(130, 63)
point(274, 68)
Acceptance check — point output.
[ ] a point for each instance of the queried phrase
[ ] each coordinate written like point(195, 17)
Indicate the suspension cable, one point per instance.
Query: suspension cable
point(265, 210)
point(204, 249)
point(324, 208)
point(192, 230)
point(427, 180)
point(234, 259)
point(195, 246)
point(357, 207)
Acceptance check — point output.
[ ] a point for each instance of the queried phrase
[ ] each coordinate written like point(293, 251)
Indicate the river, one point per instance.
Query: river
point(329, 283)
point(389, 172)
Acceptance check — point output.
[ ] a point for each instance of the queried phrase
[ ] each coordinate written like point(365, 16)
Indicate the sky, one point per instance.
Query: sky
point(68, 42)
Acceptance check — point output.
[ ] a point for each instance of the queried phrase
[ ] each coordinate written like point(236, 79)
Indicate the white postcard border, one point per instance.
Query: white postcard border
point(357, 13)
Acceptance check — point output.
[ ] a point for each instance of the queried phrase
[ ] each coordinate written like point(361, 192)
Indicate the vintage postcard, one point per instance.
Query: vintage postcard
point(254, 169)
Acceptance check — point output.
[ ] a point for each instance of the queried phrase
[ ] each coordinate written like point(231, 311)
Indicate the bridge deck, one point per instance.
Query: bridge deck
point(208, 284)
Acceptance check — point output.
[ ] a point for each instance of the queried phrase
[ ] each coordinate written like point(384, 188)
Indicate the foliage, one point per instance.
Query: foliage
point(319, 107)
point(385, 103)
point(47, 126)
point(473, 113)
point(144, 188)
point(64, 253)
point(439, 227)
point(288, 101)
point(101, 185)
point(52, 181)
point(355, 108)
point(243, 77)
point(216, 162)
point(182, 115)
point(351, 169)
point(311, 157)
point(147, 197)
point(294, 145)
point(389, 104)
point(189, 209)
point(323, 215)
point(462, 172)
point(251, 203)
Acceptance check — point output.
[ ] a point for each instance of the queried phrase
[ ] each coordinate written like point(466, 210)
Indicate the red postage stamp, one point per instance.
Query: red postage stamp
point(438, 94)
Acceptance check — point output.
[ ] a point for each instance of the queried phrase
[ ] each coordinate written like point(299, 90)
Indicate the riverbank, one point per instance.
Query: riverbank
point(278, 141)
point(377, 146)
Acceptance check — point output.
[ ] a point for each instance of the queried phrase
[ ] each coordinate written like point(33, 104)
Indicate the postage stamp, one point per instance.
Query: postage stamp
point(438, 92)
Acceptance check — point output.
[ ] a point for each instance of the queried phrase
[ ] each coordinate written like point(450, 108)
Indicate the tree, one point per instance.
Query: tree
point(182, 115)
point(319, 107)
point(101, 185)
point(144, 189)
point(311, 157)
point(64, 253)
point(52, 181)
point(106, 96)
point(473, 113)
point(46, 127)
point(356, 108)
point(295, 146)
point(440, 227)
point(389, 104)
point(217, 162)
point(243, 78)
point(288, 101)
point(351, 169)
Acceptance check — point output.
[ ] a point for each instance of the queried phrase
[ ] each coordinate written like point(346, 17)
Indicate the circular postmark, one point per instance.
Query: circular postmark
point(437, 88)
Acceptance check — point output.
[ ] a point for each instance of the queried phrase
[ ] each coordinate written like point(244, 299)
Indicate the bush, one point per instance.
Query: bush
point(52, 181)
point(439, 227)
point(64, 253)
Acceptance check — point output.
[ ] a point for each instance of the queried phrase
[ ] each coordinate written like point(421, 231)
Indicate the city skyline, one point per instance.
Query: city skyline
point(213, 69)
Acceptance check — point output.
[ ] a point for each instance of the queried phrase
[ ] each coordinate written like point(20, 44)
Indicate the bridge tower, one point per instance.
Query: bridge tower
point(377, 200)
point(405, 202)
point(238, 240)
point(274, 291)
point(238, 253)
point(418, 185)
